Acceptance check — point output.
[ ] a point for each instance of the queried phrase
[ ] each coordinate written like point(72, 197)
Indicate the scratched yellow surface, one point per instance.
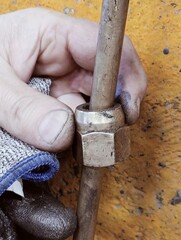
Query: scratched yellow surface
point(136, 195)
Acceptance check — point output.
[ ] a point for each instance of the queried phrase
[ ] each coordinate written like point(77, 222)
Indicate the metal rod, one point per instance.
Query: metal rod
point(90, 190)
point(111, 34)
point(110, 40)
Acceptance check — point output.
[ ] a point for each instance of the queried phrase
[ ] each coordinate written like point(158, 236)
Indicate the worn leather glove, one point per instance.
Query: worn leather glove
point(7, 230)
point(39, 214)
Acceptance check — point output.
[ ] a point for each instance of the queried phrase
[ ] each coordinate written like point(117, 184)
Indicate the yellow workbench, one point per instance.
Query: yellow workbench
point(138, 197)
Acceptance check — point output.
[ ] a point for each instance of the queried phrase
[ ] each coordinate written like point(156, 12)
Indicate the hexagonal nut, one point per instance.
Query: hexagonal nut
point(102, 149)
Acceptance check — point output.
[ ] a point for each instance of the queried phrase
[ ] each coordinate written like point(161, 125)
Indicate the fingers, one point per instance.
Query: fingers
point(78, 81)
point(72, 100)
point(31, 116)
point(132, 82)
point(131, 106)
point(82, 43)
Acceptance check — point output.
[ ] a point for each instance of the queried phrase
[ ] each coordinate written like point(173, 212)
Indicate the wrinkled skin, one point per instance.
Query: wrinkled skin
point(41, 42)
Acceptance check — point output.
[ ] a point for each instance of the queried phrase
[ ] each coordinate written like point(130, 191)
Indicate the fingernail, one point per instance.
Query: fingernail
point(52, 125)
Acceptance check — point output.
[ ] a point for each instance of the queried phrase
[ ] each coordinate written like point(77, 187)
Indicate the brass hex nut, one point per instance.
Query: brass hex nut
point(109, 143)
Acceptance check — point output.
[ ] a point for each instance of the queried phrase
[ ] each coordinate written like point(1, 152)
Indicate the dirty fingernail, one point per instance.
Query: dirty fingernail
point(52, 125)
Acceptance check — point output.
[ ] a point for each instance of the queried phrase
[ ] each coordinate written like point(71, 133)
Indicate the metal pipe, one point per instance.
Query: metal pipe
point(110, 40)
point(111, 34)
point(89, 195)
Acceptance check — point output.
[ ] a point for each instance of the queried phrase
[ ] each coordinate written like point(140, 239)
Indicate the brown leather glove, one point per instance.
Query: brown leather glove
point(39, 214)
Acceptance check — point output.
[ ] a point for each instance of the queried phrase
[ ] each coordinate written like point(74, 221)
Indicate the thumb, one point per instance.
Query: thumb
point(33, 117)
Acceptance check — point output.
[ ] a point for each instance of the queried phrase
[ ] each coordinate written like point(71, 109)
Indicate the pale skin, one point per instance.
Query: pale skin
point(40, 42)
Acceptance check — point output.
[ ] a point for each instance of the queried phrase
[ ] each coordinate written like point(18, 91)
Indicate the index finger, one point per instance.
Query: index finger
point(82, 43)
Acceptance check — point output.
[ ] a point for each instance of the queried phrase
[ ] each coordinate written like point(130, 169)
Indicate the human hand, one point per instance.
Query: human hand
point(40, 42)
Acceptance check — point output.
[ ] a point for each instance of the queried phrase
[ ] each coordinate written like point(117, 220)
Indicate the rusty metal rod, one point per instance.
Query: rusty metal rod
point(110, 40)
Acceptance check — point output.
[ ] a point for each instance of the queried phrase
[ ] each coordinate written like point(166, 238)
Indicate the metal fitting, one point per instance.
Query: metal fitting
point(102, 137)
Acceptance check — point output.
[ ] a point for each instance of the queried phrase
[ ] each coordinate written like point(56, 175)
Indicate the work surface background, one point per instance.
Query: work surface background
point(137, 194)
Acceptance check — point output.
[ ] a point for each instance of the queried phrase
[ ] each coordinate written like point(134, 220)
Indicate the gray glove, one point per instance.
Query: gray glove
point(20, 160)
